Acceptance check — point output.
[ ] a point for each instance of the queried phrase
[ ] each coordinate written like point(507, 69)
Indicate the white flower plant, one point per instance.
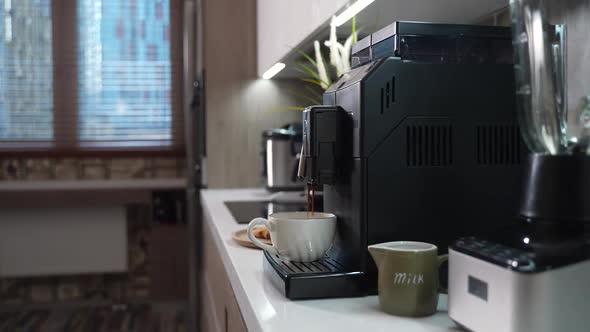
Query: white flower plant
point(320, 74)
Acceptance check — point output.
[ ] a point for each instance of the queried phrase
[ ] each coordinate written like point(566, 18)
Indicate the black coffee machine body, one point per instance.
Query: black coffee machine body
point(418, 142)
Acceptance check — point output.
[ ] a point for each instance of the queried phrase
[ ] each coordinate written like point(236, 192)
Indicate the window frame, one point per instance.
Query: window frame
point(65, 143)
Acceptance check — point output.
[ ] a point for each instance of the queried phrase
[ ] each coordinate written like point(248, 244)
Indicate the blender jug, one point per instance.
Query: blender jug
point(552, 68)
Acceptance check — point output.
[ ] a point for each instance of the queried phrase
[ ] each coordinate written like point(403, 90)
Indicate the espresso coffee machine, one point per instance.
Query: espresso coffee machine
point(419, 141)
point(533, 276)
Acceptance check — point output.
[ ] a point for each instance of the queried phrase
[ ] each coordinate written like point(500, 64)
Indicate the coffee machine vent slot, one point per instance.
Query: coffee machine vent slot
point(498, 145)
point(382, 100)
point(429, 145)
point(388, 95)
point(393, 89)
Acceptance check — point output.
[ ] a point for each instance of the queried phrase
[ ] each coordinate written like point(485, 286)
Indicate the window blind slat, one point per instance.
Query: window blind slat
point(131, 76)
point(122, 73)
point(26, 72)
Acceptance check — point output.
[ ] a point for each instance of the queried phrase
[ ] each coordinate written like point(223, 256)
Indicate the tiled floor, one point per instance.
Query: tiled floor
point(168, 317)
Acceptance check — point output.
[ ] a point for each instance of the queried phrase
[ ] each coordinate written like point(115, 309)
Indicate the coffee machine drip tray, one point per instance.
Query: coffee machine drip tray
point(324, 278)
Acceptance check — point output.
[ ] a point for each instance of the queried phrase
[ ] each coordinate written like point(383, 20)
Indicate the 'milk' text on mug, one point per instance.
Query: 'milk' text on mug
point(408, 278)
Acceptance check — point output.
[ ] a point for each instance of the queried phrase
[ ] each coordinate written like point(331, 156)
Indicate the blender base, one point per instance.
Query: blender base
point(557, 188)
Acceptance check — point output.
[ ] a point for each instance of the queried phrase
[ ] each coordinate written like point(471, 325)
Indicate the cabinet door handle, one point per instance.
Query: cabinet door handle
point(225, 319)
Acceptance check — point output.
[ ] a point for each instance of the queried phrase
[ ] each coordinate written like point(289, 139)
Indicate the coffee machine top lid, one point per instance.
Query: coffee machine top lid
point(436, 43)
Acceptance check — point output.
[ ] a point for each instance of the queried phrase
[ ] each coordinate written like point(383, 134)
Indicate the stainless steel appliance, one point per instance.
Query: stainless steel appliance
point(533, 276)
point(496, 284)
point(280, 154)
point(419, 141)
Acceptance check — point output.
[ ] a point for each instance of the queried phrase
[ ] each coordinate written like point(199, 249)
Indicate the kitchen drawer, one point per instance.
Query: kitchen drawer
point(220, 308)
point(234, 320)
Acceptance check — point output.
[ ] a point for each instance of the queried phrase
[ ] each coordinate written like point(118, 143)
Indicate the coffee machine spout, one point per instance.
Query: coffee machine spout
point(301, 167)
point(326, 144)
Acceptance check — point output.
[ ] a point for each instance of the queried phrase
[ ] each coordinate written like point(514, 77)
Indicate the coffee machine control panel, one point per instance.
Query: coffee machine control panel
point(524, 253)
point(496, 253)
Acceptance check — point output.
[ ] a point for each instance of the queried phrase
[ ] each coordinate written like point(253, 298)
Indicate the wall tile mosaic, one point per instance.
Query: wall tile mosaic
point(90, 168)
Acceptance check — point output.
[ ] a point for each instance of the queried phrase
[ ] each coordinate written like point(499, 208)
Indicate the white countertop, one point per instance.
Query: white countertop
point(264, 308)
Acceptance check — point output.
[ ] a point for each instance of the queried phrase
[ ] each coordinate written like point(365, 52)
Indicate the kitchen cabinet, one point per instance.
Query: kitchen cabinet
point(283, 24)
point(168, 254)
point(220, 308)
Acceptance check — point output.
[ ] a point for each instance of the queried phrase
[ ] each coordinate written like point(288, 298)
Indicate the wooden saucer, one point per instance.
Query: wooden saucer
point(241, 237)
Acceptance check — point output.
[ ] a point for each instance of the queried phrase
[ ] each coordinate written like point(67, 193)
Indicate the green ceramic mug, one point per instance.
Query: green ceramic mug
point(408, 277)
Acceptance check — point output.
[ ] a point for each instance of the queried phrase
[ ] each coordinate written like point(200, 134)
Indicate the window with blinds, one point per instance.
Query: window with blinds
point(107, 81)
point(26, 72)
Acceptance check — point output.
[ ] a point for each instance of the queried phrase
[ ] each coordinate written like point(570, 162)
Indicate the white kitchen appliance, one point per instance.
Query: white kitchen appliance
point(500, 288)
point(535, 276)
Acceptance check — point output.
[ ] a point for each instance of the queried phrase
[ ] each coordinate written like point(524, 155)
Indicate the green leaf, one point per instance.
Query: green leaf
point(313, 91)
point(307, 57)
point(354, 30)
point(304, 69)
point(316, 82)
point(312, 81)
point(314, 75)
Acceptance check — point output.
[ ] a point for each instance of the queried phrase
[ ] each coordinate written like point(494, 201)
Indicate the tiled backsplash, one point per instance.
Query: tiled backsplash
point(90, 168)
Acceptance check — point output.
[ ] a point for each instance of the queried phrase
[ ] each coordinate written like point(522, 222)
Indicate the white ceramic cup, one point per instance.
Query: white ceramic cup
point(297, 236)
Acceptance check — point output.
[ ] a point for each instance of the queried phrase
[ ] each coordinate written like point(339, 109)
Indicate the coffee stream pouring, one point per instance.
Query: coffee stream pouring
point(326, 146)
